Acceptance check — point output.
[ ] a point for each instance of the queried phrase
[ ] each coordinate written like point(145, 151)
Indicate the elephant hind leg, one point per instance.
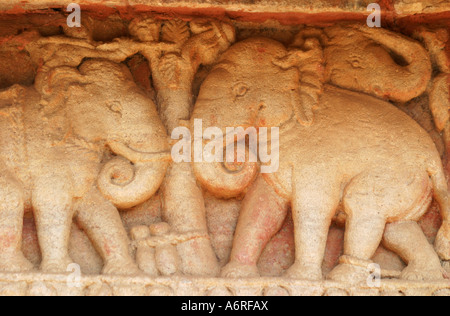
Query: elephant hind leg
point(262, 216)
point(11, 225)
point(363, 236)
point(408, 240)
point(103, 225)
point(373, 199)
point(366, 222)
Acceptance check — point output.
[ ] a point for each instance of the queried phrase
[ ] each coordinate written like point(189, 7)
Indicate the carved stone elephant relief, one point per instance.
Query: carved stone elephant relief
point(55, 142)
point(358, 57)
point(336, 147)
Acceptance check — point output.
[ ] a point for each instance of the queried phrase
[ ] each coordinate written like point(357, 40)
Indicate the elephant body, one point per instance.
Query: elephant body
point(358, 138)
point(338, 150)
point(371, 159)
point(31, 143)
point(55, 159)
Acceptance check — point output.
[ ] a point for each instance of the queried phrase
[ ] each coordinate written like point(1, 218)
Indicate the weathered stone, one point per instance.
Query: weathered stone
point(99, 289)
point(336, 292)
point(102, 201)
point(219, 291)
point(416, 6)
point(276, 291)
point(41, 289)
point(13, 289)
point(159, 291)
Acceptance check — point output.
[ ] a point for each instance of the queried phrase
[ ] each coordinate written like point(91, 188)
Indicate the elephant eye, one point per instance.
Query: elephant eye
point(356, 61)
point(240, 89)
point(115, 106)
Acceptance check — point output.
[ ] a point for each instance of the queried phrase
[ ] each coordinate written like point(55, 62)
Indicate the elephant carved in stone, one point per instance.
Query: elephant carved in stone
point(56, 160)
point(174, 62)
point(338, 150)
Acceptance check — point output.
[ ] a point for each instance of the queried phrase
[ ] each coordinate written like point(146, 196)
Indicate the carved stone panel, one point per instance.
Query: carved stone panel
point(282, 148)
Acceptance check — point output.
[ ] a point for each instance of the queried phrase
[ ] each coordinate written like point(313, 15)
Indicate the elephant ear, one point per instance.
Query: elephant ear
point(53, 85)
point(309, 62)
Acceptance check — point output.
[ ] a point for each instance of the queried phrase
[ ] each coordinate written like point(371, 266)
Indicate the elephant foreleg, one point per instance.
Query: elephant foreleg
point(52, 203)
point(408, 240)
point(103, 225)
point(262, 216)
point(11, 224)
point(313, 207)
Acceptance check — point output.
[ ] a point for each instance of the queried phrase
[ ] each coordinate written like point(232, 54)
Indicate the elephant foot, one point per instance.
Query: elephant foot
point(60, 266)
point(198, 258)
point(236, 270)
point(414, 272)
point(301, 272)
point(349, 273)
point(121, 267)
point(15, 262)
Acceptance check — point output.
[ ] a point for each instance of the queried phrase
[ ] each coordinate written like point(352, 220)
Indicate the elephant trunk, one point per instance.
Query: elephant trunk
point(227, 179)
point(132, 181)
point(412, 80)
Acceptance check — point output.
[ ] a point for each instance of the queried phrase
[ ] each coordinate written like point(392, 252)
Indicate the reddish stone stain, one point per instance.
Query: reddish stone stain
point(279, 252)
point(335, 247)
point(107, 248)
point(141, 73)
point(214, 120)
point(17, 9)
point(431, 222)
point(387, 5)
point(7, 240)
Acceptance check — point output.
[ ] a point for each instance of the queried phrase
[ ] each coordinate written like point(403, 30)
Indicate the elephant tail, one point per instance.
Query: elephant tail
point(441, 194)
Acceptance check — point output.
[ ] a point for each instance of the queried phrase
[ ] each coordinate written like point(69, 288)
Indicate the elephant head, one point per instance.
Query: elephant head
point(257, 83)
point(377, 62)
point(105, 107)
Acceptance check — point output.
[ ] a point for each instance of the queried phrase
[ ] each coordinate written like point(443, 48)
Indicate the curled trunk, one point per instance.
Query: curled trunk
point(127, 184)
point(226, 179)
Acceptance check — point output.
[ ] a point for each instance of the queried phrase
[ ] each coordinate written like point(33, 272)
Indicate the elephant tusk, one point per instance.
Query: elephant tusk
point(137, 156)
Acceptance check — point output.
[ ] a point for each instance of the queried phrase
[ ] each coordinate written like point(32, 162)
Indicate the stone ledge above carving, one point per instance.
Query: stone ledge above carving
point(401, 7)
